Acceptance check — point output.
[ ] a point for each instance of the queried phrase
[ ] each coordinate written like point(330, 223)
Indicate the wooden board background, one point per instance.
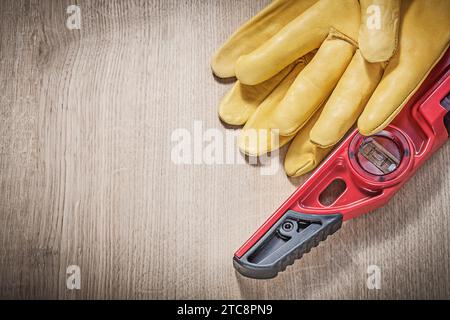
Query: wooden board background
point(86, 177)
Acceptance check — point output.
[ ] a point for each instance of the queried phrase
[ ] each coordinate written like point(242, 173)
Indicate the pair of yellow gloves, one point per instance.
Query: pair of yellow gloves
point(310, 69)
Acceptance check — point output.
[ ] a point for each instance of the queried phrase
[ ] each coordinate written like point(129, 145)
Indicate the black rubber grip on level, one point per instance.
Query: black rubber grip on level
point(446, 104)
point(292, 236)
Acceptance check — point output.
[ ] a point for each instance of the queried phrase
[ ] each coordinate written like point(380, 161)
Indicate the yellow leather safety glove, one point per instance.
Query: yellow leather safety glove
point(372, 55)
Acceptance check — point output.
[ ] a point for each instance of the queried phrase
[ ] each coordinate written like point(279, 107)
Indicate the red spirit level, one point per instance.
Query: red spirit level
point(373, 169)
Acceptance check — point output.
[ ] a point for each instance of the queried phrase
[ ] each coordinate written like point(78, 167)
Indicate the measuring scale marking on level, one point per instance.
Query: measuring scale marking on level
point(372, 168)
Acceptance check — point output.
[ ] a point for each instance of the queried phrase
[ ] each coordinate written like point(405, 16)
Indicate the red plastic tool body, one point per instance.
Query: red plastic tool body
point(419, 129)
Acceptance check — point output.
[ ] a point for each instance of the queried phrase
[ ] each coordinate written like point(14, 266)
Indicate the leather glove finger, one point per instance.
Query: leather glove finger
point(424, 38)
point(255, 32)
point(302, 35)
point(378, 34)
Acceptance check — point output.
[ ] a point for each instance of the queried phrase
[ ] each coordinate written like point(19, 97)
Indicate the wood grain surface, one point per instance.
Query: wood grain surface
point(86, 176)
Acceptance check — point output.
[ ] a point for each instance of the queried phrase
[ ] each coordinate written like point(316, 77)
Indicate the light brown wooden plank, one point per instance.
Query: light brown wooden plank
point(86, 176)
